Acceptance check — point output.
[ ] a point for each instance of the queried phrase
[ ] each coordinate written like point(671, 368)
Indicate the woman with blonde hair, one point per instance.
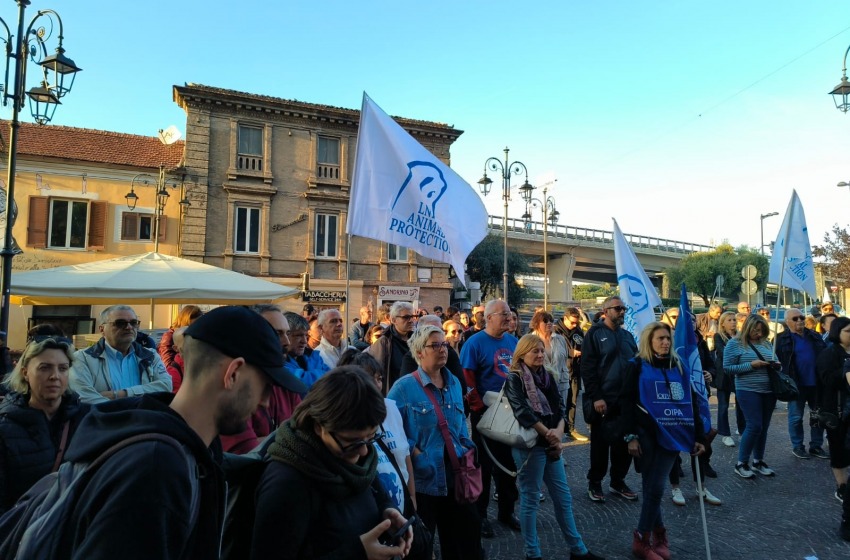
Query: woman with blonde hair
point(724, 382)
point(543, 325)
point(38, 418)
point(537, 403)
point(749, 357)
point(660, 416)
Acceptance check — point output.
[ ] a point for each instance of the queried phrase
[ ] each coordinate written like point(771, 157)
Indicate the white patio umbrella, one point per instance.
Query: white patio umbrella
point(145, 278)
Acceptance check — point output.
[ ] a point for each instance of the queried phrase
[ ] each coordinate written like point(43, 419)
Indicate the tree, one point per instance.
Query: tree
point(593, 291)
point(699, 271)
point(836, 252)
point(485, 265)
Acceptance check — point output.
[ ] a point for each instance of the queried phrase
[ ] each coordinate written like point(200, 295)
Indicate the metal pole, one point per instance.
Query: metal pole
point(545, 250)
point(506, 194)
point(14, 126)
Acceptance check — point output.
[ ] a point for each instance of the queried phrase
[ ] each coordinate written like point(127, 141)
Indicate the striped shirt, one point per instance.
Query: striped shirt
point(736, 360)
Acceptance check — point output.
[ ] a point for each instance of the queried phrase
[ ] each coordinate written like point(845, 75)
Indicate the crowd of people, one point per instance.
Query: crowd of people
point(365, 434)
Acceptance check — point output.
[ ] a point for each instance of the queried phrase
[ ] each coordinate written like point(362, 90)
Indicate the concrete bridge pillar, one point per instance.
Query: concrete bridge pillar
point(561, 269)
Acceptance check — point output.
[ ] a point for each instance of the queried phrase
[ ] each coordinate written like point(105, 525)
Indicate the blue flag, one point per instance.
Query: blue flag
point(685, 344)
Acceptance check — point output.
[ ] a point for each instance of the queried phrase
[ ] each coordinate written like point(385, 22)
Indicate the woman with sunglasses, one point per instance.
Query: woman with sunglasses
point(556, 355)
point(320, 496)
point(38, 417)
point(537, 403)
point(749, 357)
point(459, 525)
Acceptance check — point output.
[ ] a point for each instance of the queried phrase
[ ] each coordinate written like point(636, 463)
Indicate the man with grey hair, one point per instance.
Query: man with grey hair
point(304, 362)
point(117, 366)
point(333, 344)
point(486, 361)
point(391, 347)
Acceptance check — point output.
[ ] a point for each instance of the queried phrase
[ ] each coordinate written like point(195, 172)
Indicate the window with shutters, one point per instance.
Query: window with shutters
point(246, 238)
point(59, 223)
point(140, 226)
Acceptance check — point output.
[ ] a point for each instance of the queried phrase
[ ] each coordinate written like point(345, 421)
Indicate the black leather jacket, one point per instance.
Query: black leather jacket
point(525, 415)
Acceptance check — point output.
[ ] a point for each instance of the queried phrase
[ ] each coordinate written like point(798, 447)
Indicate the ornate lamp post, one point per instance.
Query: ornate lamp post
point(841, 93)
point(55, 81)
point(507, 170)
point(550, 215)
point(162, 184)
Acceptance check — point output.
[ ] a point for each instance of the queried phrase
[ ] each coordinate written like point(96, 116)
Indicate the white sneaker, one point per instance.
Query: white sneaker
point(678, 497)
point(728, 441)
point(710, 498)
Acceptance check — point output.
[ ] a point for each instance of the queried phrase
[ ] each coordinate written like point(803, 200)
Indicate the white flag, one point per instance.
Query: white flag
point(403, 194)
point(636, 291)
point(826, 298)
point(791, 264)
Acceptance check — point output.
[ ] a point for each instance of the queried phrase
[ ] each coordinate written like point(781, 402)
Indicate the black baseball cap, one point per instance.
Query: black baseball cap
point(238, 332)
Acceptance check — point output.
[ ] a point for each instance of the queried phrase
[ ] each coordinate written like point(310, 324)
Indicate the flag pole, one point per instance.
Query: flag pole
point(702, 507)
point(347, 284)
point(785, 238)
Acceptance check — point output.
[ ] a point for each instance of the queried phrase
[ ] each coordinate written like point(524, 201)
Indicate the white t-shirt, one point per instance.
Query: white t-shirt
point(396, 440)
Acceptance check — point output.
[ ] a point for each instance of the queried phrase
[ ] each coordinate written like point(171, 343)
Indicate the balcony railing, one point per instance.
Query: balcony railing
point(327, 171)
point(246, 162)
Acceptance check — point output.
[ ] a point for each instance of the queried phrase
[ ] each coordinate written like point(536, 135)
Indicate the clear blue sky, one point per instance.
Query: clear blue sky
point(645, 111)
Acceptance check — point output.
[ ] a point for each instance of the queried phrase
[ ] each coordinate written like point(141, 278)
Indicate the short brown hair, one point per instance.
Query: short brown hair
point(345, 398)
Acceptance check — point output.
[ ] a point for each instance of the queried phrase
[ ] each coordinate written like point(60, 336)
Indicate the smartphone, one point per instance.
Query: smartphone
point(392, 538)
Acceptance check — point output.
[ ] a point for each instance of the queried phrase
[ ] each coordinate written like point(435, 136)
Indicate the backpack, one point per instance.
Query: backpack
point(243, 474)
point(35, 527)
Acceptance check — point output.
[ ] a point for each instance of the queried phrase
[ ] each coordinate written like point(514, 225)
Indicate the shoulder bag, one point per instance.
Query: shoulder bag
point(499, 424)
point(783, 386)
point(467, 471)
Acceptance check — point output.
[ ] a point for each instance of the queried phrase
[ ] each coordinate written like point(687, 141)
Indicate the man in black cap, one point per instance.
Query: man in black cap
point(154, 499)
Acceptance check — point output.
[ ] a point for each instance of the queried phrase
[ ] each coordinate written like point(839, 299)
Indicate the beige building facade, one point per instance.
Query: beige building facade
point(271, 186)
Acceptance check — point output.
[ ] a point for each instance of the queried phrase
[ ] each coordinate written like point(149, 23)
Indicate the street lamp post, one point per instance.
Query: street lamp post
point(550, 214)
point(841, 93)
point(763, 216)
point(57, 78)
point(162, 184)
point(507, 170)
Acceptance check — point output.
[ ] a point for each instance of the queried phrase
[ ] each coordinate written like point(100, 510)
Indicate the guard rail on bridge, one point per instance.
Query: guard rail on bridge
point(595, 235)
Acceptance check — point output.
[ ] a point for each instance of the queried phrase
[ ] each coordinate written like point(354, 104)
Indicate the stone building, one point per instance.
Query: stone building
point(271, 180)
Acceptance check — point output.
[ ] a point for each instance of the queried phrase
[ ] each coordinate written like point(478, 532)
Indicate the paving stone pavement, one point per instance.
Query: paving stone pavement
point(790, 516)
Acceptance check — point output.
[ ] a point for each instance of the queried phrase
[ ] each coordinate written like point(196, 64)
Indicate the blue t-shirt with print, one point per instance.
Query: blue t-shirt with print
point(490, 358)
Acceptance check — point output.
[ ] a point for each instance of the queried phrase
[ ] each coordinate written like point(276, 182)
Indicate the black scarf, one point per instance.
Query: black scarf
point(335, 478)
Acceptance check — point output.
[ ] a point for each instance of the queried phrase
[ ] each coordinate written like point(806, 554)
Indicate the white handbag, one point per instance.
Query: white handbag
point(499, 424)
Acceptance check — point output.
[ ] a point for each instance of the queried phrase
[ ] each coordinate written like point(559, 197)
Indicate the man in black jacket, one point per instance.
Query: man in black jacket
point(798, 348)
point(150, 500)
point(606, 350)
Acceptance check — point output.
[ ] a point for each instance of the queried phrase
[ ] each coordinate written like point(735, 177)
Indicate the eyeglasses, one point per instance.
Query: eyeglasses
point(405, 317)
point(502, 313)
point(121, 324)
point(438, 346)
point(798, 318)
point(617, 308)
point(355, 446)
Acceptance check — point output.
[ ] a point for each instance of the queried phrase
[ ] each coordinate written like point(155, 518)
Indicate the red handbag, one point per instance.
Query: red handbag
point(467, 471)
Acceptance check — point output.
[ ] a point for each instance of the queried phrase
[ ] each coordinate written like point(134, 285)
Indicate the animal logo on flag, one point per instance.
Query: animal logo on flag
point(638, 299)
point(414, 210)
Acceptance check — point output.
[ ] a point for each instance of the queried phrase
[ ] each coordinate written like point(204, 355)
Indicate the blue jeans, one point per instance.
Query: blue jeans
point(758, 408)
point(537, 470)
point(795, 419)
point(723, 428)
point(655, 465)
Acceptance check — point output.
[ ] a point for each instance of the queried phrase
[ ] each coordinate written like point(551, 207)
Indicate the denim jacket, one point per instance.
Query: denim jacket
point(420, 425)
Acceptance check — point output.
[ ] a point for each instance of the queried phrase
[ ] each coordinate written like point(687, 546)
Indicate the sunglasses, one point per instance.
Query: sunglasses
point(798, 318)
point(349, 449)
point(617, 308)
point(123, 323)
